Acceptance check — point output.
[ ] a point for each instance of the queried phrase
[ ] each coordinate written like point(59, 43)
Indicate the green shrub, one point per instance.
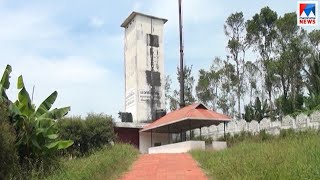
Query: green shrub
point(74, 128)
point(8, 153)
point(88, 134)
point(100, 129)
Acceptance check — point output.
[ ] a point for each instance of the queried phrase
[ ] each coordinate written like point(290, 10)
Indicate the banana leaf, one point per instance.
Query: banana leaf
point(47, 104)
point(60, 144)
point(5, 83)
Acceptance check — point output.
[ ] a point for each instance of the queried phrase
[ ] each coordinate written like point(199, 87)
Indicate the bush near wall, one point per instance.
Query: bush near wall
point(88, 134)
point(8, 153)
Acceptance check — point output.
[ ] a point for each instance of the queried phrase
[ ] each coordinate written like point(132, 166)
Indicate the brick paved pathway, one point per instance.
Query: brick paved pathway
point(164, 167)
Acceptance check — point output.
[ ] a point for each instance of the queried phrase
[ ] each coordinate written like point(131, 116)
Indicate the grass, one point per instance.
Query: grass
point(290, 156)
point(108, 163)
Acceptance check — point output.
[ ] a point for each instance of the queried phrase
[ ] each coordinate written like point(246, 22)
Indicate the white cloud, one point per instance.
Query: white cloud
point(52, 57)
point(81, 83)
point(96, 22)
point(27, 24)
point(137, 6)
point(194, 11)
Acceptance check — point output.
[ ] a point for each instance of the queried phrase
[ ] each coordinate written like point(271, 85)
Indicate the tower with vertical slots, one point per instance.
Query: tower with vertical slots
point(144, 66)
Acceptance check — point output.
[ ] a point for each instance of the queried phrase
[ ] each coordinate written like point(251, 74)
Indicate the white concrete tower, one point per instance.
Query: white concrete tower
point(144, 66)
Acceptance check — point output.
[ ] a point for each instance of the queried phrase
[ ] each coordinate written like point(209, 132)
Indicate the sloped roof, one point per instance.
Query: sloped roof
point(134, 14)
point(197, 113)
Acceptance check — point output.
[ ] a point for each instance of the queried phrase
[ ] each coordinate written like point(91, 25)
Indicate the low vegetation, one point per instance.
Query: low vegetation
point(262, 136)
point(107, 163)
point(292, 155)
point(89, 133)
point(8, 153)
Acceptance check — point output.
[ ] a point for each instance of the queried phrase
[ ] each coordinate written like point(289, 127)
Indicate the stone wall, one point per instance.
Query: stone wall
point(301, 122)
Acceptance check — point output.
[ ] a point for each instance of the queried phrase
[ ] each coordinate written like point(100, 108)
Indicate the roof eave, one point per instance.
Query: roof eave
point(134, 13)
point(183, 119)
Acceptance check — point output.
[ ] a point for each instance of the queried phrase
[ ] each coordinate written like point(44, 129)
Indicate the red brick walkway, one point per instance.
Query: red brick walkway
point(164, 167)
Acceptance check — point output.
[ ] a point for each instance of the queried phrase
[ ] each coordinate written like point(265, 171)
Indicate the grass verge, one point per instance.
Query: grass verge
point(294, 156)
point(108, 163)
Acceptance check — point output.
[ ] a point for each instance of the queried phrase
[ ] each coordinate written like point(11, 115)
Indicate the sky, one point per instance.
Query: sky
point(76, 47)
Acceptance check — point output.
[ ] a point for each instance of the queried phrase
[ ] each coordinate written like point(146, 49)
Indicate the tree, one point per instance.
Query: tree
point(251, 72)
point(173, 97)
point(209, 84)
point(312, 64)
point(261, 34)
point(257, 112)
point(311, 70)
point(188, 84)
point(226, 100)
point(167, 88)
point(292, 51)
point(235, 30)
point(203, 91)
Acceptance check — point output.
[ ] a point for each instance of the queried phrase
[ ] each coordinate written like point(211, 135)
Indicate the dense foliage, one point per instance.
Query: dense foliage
point(88, 134)
point(284, 74)
point(8, 153)
point(37, 134)
point(28, 131)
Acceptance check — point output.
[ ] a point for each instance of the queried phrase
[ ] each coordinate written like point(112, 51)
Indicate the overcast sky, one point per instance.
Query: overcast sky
point(76, 47)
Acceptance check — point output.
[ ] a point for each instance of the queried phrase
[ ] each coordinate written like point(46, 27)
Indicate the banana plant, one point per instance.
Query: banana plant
point(5, 83)
point(37, 132)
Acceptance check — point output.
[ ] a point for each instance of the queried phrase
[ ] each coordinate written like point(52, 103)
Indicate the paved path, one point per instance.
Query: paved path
point(165, 167)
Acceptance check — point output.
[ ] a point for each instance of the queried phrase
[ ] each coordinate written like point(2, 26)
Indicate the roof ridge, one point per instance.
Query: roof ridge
point(194, 106)
point(201, 105)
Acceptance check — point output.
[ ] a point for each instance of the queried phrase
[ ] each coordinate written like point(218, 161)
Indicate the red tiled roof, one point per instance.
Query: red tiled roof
point(195, 111)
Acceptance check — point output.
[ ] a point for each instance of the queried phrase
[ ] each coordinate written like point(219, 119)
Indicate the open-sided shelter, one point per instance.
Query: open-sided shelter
point(158, 136)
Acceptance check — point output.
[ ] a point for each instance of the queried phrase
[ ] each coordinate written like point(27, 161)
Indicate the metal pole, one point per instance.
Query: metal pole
point(190, 130)
point(224, 129)
point(180, 135)
point(151, 137)
point(200, 133)
point(168, 134)
point(182, 103)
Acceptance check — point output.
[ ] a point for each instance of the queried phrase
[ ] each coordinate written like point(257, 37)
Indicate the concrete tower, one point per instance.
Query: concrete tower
point(144, 66)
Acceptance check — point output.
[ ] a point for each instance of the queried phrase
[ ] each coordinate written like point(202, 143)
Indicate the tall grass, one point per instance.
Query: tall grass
point(107, 163)
point(290, 156)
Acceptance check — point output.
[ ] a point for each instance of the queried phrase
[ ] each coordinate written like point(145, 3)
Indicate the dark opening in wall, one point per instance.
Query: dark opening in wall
point(155, 81)
point(153, 40)
point(125, 116)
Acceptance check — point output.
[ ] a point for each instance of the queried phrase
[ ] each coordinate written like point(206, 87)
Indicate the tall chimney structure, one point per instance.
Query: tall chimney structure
point(144, 66)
